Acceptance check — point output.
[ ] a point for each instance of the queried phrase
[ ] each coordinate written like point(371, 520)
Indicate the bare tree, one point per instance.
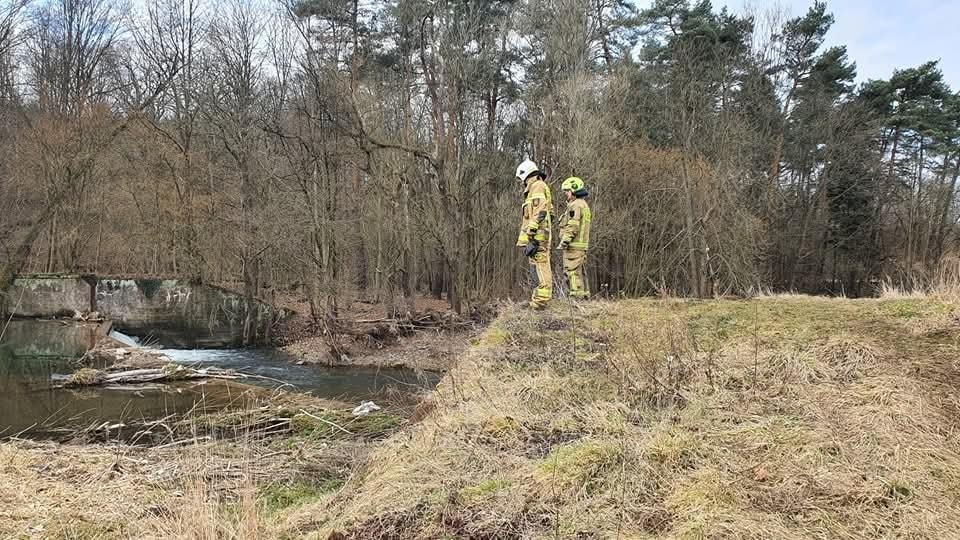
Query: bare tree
point(233, 109)
point(169, 36)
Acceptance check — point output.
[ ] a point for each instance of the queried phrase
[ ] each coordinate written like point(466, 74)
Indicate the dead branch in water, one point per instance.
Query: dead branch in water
point(168, 373)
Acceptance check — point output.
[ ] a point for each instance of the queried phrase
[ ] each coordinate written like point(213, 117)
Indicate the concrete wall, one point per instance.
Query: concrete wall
point(178, 314)
point(166, 312)
point(54, 296)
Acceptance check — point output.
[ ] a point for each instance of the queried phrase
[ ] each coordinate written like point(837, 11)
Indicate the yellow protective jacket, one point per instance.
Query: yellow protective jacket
point(575, 225)
point(536, 199)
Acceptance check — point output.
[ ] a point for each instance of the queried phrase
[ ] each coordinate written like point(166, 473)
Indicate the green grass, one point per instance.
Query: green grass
point(579, 464)
point(279, 497)
point(484, 489)
point(333, 424)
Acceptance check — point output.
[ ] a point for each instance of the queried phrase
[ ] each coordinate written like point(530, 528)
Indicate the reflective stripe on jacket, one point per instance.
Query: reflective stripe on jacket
point(536, 199)
point(575, 225)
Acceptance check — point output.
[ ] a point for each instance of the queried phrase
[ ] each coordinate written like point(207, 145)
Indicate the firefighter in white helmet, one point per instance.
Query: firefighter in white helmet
point(535, 230)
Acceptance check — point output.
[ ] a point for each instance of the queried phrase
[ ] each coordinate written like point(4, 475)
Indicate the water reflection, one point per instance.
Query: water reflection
point(32, 351)
point(54, 339)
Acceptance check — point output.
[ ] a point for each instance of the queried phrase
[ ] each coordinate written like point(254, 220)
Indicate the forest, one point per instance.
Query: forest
point(340, 147)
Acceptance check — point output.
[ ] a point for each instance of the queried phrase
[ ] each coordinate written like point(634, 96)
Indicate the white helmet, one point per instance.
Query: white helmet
point(525, 169)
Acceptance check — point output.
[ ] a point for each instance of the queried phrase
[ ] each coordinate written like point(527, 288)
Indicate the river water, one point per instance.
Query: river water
point(33, 351)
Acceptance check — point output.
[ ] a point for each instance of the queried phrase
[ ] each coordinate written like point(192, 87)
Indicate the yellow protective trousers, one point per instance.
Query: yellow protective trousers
point(540, 267)
point(573, 262)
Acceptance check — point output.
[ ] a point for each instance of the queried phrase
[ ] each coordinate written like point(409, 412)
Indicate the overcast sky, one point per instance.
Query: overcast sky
point(882, 35)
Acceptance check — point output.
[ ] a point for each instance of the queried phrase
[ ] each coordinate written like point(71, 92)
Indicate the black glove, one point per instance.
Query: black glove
point(531, 249)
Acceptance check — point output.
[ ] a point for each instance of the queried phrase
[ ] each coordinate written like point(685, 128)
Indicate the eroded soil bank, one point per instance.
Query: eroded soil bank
point(431, 340)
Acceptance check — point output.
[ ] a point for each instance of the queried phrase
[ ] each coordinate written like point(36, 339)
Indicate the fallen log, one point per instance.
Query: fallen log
point(168, 373)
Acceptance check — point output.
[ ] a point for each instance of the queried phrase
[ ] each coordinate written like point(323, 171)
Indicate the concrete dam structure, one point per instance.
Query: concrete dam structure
point(165, 311)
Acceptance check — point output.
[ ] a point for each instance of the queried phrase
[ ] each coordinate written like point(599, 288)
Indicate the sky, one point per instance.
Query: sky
point(883, 35)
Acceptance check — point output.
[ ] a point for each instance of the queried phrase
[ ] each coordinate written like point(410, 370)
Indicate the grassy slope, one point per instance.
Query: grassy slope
point(774, 418)
point(279, 454)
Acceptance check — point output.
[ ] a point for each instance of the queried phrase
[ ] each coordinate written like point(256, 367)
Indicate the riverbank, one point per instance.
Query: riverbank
point(782, 417)
point(198, 477)
point(377, 342)
point(425, 350)
point(188, 459)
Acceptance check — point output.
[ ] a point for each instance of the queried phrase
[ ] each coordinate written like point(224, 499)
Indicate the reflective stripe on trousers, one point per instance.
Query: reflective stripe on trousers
point(540, 265)
point(573, 262)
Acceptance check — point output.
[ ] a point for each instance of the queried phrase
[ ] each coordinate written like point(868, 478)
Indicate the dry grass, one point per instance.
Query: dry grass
point(942, 283)
point(235, 474)
point(770, 294)
point(944, 325)
point(848, 357)
point(85, 377)
point(781, 418)
point(787, 417)
point(890, 290)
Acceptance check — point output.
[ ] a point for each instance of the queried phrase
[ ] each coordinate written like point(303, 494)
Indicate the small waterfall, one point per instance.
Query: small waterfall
point(129, 341)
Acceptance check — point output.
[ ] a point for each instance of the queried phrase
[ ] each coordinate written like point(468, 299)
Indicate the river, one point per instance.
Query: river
point(34, 351)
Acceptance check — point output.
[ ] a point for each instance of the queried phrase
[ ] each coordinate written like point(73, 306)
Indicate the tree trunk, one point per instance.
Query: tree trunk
point(893, 153)
point(778, 149)
point(409, 261)
point(944, 211)
point(318, 277)
point(51, 243)
point(690, 220)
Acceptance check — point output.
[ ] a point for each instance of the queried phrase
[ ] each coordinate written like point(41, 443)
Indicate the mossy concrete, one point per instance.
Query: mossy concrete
point(49, 295)
point(165, 311)
point(181, 314)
